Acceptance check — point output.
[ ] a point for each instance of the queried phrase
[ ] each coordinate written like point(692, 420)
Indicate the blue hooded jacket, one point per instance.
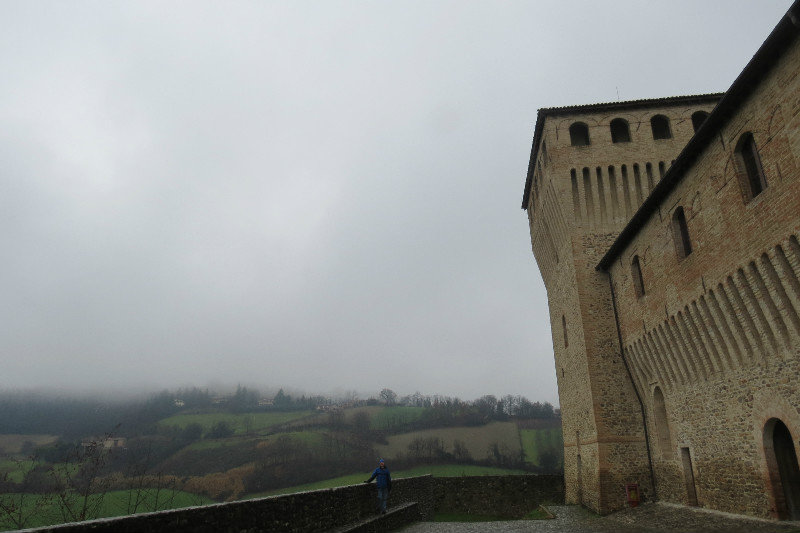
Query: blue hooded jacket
point(383, 478)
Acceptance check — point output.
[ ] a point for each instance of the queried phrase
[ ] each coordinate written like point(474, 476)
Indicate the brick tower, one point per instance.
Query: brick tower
point(590, 168)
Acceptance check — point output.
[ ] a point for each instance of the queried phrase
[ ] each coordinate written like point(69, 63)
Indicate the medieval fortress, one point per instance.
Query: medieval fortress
point(666, 232)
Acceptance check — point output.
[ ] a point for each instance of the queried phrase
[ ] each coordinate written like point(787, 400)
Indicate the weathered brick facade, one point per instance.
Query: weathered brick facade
point(677, 354)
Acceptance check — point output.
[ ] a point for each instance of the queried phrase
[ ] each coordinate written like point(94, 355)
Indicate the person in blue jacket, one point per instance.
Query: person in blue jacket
point(384, 483)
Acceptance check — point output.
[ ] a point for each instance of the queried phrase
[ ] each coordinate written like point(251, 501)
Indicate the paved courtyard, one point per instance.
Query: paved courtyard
point(651, 518)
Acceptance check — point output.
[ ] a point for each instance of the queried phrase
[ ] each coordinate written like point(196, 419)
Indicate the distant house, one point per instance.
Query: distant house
point(107, 443)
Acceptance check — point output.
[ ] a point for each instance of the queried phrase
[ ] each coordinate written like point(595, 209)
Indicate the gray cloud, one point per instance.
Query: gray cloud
point(321, 195)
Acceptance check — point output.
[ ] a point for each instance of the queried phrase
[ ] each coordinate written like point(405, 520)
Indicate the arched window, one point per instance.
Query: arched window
point(660, 127)
point(620, 132)
point(636, 273)
point(680, 233)
point(751, 175)
point(579, 134)
point(662, 425)
point(698, 117)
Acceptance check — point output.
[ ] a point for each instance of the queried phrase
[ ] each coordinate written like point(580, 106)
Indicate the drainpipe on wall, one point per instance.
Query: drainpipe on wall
point(633, 383)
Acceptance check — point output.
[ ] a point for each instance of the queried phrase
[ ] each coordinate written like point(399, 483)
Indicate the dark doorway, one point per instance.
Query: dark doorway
point(785, 462)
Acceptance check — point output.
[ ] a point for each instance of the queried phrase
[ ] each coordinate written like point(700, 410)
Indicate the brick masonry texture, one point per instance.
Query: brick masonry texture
point(711, 348)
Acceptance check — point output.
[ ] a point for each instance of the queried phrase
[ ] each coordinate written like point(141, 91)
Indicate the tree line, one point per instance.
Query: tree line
point(72, 417)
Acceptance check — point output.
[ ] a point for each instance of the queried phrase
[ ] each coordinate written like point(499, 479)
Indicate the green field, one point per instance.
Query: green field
point(15, 471)
point(380, 416)
point(114, 503)
point(477, 439)
point(536, 441)
point(389, 417)
point(259, 422)
point(13, 443)
point(435, 470)
point(312, 438)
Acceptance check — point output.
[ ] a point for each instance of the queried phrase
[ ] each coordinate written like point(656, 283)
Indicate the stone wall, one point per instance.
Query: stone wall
point(319, 510)
point(505, 496)
point(581, 197)
point(714, 341)
point(323, 510)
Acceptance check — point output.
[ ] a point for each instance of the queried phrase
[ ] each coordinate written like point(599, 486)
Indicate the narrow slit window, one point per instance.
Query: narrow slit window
point(576, 201)
point(620, 132)
point(680, 233)
point(660, 127)
point(579, 134)
point(564, 329)
point(751, 173)
point(636, 273)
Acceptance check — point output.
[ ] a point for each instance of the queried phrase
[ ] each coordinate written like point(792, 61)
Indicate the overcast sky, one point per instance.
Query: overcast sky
point(318, 195)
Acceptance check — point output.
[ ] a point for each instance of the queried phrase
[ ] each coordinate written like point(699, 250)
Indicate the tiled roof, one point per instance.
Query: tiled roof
point(644, 102)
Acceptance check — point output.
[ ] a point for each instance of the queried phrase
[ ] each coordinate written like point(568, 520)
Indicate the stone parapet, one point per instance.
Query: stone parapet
point(337, 508)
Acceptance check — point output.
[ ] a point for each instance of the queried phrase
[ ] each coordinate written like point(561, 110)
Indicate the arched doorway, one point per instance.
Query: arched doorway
point(783, 469)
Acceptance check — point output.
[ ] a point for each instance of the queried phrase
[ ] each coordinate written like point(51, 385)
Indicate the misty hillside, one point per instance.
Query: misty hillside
point(192, 446)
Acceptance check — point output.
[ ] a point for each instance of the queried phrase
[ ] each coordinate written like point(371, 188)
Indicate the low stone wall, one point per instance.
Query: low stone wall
point(323, 510)
point(319, 510)
point(506, 496)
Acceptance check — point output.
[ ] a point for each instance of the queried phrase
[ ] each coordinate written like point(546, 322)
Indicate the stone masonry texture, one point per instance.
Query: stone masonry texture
point(677, 382)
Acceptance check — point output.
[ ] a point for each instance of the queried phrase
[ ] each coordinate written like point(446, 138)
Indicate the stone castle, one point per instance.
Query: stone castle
point(666, 231)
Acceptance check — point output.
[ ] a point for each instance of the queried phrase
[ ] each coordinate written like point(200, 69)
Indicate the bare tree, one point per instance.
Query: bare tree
point(19, 501)
point(388, 396)
point(80, 488)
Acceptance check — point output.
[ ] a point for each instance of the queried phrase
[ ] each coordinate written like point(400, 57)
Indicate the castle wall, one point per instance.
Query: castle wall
point(581, 197)
point(717, 333)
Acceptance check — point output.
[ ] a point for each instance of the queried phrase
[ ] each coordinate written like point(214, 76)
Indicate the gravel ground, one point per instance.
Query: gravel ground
point(650, 518)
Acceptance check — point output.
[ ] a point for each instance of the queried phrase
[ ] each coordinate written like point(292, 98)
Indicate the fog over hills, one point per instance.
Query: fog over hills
point(322, 196)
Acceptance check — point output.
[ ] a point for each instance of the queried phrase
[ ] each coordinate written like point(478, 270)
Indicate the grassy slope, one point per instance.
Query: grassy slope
point(260, 421)
point(388, 417)
point(12, 443)
point(115, 503)
point(477, 439)
point(309, 437)
point(436, 470)
point(15, 470)
point(534, 441)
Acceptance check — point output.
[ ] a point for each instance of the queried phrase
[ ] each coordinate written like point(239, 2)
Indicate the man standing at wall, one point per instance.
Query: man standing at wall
point(384, 484)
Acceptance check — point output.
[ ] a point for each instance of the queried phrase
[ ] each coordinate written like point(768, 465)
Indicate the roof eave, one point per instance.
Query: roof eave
point(544, 112)
point(784, 33)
